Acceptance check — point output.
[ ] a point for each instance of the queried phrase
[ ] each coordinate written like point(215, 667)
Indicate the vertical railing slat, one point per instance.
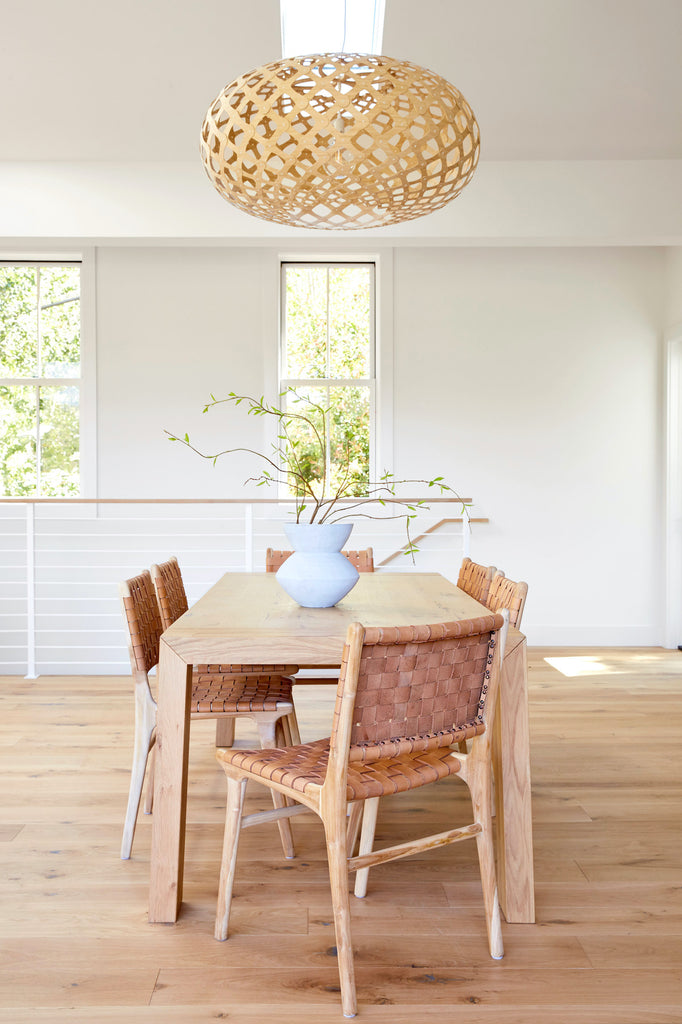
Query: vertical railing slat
point(466, 536)
point(248, 538)
point(30, 593)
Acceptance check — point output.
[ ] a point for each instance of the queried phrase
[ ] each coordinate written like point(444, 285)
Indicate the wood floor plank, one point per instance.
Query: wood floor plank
point(198, 949)
point(386, 1013)
point(76, 985)
point(419, 985)
point(9, 832)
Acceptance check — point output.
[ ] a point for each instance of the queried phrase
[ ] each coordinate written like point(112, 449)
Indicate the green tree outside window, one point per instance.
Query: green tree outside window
point(40, 358)
point(328, 357)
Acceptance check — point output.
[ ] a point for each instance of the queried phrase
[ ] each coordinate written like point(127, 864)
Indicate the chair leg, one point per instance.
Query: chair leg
point(233, 824)
point(267, 735)
point(295, 735)
point(335, 832)
point(149, 788)
point(224, 732)
point(353, 825)
point(143, 741)
point(369, 821)
point(479, 786)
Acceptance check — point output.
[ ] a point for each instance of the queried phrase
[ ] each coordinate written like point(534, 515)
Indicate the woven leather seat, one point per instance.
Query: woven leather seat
point(405, 696)
point(266, 698)
point(303, 768)
point(219, 694)
point(246, 670)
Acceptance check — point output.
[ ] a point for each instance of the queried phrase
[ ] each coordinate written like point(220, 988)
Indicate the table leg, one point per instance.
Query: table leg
point(512, 791)
point(170, 786)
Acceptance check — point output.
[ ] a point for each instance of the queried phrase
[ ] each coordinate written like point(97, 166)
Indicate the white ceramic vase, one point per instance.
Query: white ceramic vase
point(317, 575)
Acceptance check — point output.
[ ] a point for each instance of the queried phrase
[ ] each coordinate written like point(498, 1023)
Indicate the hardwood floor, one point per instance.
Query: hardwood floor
point(75, 944)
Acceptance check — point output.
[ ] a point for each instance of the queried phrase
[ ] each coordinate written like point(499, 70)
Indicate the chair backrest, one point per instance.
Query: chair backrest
point(415, 688)
point(275, 559)
point(170, 591)
point(504, 593)
point(362, 560)
point(475, 579)
point(143, 620)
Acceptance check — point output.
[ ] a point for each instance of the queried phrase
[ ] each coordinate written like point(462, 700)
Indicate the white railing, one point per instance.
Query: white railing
point(61, 561)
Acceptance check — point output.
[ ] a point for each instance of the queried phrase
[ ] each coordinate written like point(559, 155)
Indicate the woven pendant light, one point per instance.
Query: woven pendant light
point(340, 140)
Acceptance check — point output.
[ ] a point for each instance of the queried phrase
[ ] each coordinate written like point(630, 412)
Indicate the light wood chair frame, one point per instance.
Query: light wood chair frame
point(341, 819)
point(275, 728)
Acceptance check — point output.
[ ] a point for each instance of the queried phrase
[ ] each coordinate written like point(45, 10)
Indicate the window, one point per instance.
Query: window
point(327, 356)
point(40, 379)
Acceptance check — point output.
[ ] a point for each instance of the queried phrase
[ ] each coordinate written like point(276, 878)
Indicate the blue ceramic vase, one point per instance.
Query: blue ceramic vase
point(317, 575)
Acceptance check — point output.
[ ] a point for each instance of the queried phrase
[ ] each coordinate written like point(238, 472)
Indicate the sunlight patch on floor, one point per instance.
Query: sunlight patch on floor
point(579, 665)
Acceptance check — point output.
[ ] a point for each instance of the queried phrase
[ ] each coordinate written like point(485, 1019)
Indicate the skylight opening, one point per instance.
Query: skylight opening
point(331, 26)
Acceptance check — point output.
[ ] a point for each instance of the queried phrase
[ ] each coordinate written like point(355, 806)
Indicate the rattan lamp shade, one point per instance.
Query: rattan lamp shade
point(340, 140)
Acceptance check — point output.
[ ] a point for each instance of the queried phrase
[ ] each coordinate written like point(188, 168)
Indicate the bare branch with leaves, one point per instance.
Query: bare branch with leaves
point(310, 490)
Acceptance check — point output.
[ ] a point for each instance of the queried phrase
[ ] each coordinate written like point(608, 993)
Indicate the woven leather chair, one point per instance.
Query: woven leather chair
point(265, 698)
point(405, 696)
point(504, 593)
point(475, 579)
point(362, 560)
point(172, 600)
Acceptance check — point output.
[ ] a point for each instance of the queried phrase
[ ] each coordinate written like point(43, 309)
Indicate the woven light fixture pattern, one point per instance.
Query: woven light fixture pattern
point(340, 140)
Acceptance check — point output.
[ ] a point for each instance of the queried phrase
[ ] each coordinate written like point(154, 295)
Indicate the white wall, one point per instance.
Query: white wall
point(673, 296)
point(521, 202)
point(175, 325)
point(530, 378)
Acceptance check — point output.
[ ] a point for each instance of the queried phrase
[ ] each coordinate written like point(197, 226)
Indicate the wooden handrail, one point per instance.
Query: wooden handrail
point(206, 501)
point(431, 529)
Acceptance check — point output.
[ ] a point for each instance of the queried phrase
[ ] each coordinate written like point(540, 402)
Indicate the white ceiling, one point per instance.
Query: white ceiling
point(548, 79)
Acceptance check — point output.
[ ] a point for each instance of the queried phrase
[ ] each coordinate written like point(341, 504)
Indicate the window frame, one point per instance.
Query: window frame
point(370, 383)
point(85, 382)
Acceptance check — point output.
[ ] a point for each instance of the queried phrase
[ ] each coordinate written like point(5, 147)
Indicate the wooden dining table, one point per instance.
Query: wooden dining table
point(246, 618)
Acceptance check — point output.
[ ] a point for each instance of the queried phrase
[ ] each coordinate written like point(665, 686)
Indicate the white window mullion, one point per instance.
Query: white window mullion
point(39, 489)
point(328, 352)
point(328, 452)
point(39, 328)
point(39, 353)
